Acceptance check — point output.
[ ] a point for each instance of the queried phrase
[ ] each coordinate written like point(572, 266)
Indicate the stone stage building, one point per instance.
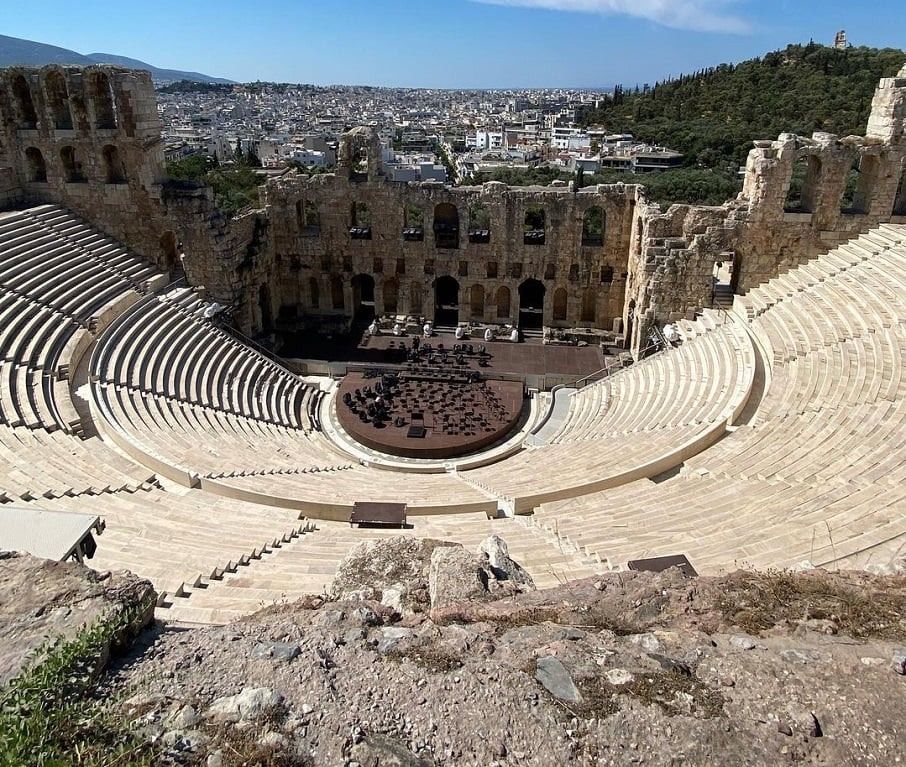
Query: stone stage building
point(88, 138)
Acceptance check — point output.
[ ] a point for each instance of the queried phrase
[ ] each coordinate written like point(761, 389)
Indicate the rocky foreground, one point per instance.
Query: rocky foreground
point(426, 654)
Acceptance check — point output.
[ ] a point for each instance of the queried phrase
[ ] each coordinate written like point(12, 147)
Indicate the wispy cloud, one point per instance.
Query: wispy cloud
point(701, 15)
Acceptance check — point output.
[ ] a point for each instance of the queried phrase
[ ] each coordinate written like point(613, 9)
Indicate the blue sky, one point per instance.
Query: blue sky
point(452, 43)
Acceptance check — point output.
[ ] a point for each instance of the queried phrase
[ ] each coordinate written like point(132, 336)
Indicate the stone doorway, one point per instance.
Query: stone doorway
point(363, 298)
point(446, 302)
point(531, 305)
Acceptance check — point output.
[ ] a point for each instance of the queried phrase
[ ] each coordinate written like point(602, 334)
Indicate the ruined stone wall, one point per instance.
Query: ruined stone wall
point(87, 138)
point(764, 231)
point(311, 261)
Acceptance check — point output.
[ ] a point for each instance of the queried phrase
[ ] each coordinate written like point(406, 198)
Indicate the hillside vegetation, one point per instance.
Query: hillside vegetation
point(713, 115)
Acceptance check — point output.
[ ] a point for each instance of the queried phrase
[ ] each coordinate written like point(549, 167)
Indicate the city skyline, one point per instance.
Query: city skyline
point(458, 44)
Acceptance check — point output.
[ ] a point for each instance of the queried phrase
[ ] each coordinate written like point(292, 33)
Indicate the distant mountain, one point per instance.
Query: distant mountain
point(15, 50)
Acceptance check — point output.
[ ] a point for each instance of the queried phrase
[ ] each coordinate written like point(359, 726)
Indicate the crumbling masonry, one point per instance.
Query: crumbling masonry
point(603, 257)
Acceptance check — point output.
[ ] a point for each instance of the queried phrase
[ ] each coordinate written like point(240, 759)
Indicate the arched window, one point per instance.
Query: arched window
point(26, 116)
point(861, 182)
point(413, 223)
point(560, 302)
point(360, 221)
point(72, 168)
point(533, 225)
point(36, 168)
point(606, 274)
point(114, 172)
point(479, 224)
point(102, 95)
point(446, 226)
point(58, 100)
point(593, 226)
point(503, 302)
point(802, 194)
point(309, 218)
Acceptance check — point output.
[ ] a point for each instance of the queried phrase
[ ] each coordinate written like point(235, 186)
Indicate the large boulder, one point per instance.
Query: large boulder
point(41, 599)
point(390, 570)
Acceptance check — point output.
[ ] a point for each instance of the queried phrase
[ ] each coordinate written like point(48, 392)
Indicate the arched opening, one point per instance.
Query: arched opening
point(560, 304)
point(861, 182)
point(58, 101)
point(363, 298)
point(899, 202)
point(589, 306)
point(503, 303)
point(264, 306)
point(476, 301)
point(360, 221)
point(802, 193)
point(446, 226)
point(479, 224)
point(169, 250)
point(114, 172)
point(36, 168)
point(413, 223)
point(533, 225)
point(531, 304)
point(358, 167)
point(72, 168)
point(337, 300)
point(446, 302)
point(593, 226)
point(314, 293)
point(26, 117)
point(722, 279)
point(102, 96)
point(391, 291)
point(310, 220)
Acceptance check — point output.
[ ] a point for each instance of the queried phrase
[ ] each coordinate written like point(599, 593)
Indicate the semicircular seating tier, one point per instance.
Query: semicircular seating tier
point(641, 421)
point(817, 472)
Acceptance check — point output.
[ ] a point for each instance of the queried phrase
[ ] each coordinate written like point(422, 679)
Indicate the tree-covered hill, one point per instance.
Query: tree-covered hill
point(713, 115)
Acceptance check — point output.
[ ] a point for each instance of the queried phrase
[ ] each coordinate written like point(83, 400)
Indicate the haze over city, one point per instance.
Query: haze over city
point(453, 44)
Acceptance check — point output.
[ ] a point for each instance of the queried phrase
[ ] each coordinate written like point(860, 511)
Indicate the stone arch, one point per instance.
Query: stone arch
point(805, 177)
point(363, 297)
point(36, 168)
point(446, 301)
point(391, 295)
point(533, 225)
point(503, 303)
point(58, 100)
point(588, 312)
point(531, 303)
point(479, 223)
point(24, 105)
point(446, 225)
point(72, 168)
point(413, 222)
point(114, 171)
point(169, 250)
point(476, 301)
point(360, 221)
point(102, 95)
point(560, 305)
point(314, 293)
point(593, 224)
point(865, 170)
point(337, 297)
point(309, 218)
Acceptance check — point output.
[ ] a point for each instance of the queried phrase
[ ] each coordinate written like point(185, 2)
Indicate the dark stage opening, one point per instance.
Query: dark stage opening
point(446, 302)
point(363, 298)
point(531, 305)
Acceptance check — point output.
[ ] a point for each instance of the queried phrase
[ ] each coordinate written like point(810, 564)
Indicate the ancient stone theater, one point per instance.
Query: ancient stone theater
point(232, 403)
